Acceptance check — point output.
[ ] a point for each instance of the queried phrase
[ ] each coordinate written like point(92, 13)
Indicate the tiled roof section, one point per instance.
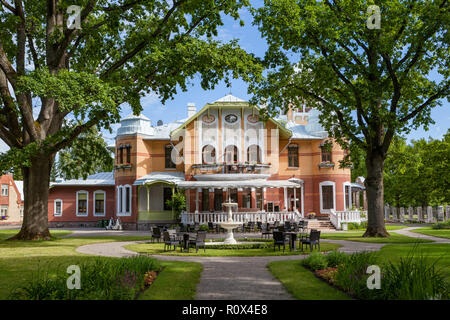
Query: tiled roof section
point(229, 98)
point(97, 179)
point(171, 177)
point(163, 132)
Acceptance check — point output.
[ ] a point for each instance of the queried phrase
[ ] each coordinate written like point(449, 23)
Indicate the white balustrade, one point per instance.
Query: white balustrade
point(216, 217)
point(339, 217)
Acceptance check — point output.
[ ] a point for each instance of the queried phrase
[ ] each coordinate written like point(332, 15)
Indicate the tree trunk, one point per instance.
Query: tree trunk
point(375, 196)
point(36, 181)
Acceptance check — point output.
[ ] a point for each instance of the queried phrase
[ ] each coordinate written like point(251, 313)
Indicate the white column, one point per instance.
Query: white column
point(285, 199)
point(295, 199)
point(148, 198)
point(196, 200)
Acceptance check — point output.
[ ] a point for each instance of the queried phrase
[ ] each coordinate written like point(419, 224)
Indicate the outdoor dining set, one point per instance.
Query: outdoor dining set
point(194, 236)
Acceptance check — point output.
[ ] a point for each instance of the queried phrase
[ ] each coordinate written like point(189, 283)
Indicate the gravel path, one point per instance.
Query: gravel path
point(238, 278)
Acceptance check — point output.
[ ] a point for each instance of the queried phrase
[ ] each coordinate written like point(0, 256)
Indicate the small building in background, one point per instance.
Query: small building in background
point(11, 199)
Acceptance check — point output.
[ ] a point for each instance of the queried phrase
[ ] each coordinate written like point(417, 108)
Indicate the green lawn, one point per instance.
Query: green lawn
point(158, 248)
point(302, 283)
point(433, 251)
point(19, 260)
point(388, 227)
point(357, 236)
point(429, 231)
point(8, 233)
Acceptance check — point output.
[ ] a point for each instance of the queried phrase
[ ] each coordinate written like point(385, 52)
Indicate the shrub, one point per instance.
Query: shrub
point(203, 227)
point(352, 277)
point(316, 261)
point(413, 278)
point(356, 226)
point(441, 225)
point(336, 258)
point(101, 278)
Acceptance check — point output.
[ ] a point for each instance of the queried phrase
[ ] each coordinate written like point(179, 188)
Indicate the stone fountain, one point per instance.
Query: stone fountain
point(229, 225)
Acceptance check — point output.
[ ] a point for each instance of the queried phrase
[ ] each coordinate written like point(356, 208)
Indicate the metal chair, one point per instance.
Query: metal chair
point(313, 240)
point(279, 240)
point(156, 234)
point(170, 241)
point(265, 230)
point(199, 241)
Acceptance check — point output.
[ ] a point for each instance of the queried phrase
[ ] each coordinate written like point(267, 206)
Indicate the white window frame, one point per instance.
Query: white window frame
point(5, 187)
point(21, 211)
point(54, 207)
point(87, 204)
point(347, 183)
point(327, 183)
point(121, 201)
point(4, 207)
point(104, 203)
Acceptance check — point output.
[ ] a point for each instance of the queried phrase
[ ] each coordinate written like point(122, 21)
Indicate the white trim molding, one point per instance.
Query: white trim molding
point(104, 203)
point(347, 183)
point(327, 183)
point(54, 207)
point(87, 204)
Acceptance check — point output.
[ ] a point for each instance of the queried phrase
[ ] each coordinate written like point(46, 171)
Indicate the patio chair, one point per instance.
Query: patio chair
point(211, 227)
point(196, 226)
point(276, 224)
point(156, 234)
point(265, 230)
point(287, 225)
point(294, 227)
point(199, 241)
point(279, 240)
point(259, 225)
point(250, 226)
point(170, 240)
point(313, 240)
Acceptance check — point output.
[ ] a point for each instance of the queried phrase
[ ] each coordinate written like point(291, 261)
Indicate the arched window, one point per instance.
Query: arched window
point(208, 154)
point(254, 154)
point(231, 154)
point(293, 156)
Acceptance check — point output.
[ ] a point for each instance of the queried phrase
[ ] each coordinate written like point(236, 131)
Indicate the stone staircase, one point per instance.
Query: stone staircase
point(324, 225)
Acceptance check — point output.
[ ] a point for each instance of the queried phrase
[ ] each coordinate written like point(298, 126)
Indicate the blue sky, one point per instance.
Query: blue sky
point(250, 40)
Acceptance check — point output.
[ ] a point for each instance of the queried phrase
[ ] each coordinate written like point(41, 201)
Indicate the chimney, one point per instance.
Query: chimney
point(191, 109)
point(290, 113)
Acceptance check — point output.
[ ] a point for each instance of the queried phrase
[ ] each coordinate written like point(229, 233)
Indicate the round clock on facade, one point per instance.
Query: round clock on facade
point(231, 118)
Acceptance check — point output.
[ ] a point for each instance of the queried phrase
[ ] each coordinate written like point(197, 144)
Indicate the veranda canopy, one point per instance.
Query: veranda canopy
point(237, 184)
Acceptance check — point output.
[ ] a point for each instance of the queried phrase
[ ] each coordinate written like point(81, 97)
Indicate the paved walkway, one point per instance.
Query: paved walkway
point(239, 278)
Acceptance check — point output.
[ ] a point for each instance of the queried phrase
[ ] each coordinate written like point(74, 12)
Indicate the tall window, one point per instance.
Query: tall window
point(4, 210)
point(167, 195)
point(293, 156)
point(327, 196)
point(254, 154)
point(121, 154)
point(259, 198)
point(347, 196)
point(128, 147)
point(247, 198)
point(326, 154)
point(208, 154)
point(231, 154)
point(5, 189)
point(205, 200)
point(99, 203)
point(82, 203)
point(123, 200)
point(168, 157)
point(218, 199)
point(57, 207)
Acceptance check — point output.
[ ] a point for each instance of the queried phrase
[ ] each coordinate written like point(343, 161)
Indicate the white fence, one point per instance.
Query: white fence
point(337, 218)
point(215, 217)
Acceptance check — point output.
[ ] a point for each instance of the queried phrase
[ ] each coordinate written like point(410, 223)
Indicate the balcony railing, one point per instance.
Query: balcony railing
point(217, 217)
point(232, 167)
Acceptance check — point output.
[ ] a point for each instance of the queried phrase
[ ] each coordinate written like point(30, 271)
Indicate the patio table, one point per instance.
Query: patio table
point(292, 240)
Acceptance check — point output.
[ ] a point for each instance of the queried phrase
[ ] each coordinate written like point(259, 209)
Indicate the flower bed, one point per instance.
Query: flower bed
point(100, 279)
point(412, 278)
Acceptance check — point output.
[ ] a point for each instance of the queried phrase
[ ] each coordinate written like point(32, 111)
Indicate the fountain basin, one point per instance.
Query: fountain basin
point(229, 226)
